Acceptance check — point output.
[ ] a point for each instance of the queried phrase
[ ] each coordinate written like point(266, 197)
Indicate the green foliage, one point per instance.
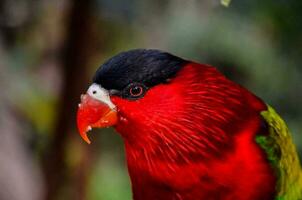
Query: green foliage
point(110, 180)
point(225, 3)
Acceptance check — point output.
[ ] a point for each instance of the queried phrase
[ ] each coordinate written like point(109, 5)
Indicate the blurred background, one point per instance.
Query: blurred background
point(49, 51)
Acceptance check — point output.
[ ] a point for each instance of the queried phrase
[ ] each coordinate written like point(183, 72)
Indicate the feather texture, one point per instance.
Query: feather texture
point(283, 156)
point(194, 138)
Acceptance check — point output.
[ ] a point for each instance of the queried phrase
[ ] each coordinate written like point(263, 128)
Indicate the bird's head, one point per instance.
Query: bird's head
point(155, 98)
point(130, 90)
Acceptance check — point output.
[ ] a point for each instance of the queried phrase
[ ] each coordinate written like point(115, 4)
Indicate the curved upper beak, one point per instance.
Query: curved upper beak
point(93, 113)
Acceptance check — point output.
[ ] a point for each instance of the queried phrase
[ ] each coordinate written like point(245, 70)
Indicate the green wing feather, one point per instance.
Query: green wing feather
point(282, 155)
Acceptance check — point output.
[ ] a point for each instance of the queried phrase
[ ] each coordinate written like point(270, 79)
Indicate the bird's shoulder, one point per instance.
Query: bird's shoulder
point(282, 155)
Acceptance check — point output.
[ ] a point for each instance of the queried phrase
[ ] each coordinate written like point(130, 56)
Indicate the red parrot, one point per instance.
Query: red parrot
point(189, 132)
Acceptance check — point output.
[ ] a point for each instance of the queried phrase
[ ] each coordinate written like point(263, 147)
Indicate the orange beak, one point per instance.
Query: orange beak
point(93, 113)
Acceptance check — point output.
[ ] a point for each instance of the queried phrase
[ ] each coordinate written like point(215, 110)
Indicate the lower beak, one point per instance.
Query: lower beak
point(93, 113)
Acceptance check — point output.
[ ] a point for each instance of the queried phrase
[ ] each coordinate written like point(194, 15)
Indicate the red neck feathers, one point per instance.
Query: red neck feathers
point(193, 138)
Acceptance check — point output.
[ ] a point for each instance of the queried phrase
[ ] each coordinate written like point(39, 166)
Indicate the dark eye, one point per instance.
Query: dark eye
point(136, 91)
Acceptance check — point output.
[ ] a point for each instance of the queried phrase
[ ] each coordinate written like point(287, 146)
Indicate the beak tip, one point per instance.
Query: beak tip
point(85, 138)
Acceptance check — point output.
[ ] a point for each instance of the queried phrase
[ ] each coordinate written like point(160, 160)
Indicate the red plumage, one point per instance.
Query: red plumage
point(196, 141)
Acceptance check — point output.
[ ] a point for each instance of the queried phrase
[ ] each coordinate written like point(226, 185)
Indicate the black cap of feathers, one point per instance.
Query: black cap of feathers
point(146, 66)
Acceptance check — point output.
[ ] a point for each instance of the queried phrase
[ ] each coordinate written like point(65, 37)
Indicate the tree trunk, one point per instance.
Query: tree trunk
point(77, 52)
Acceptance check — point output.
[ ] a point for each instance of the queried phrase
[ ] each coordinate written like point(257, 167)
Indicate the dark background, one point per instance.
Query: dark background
point(49, 51)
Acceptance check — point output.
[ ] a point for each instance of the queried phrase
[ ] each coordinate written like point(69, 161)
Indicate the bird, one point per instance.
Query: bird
point(189, 132)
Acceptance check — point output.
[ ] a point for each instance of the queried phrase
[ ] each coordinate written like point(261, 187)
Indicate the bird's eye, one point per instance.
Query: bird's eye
point(136, 91)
